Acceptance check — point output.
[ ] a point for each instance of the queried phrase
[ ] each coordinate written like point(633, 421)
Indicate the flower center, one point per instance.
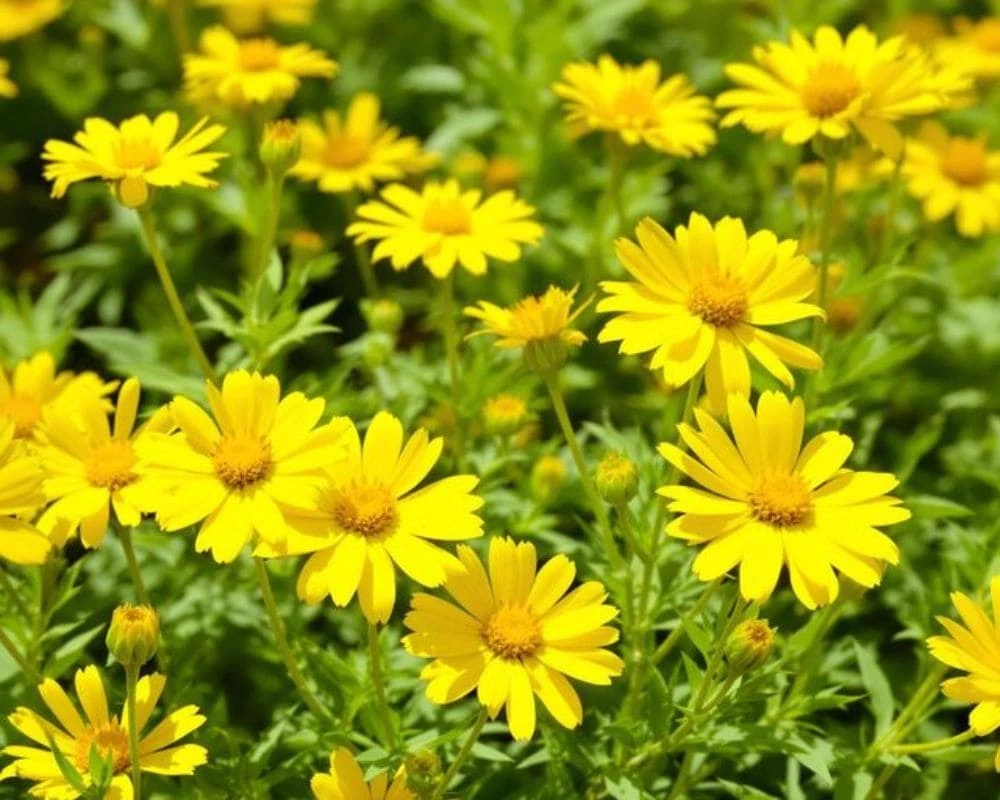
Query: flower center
point(449, 217)
point(132, 154)
point(987, 35)
point(633, 107)
point(346, 151)
point(111, 742)
point(24, 411)
point(257, 55)
point(781, 500)
point(365, 508)
point(720, 300)
point(964, 161)
point(512, 632)
point(110, 465)
point(829, 89)
point(241, 461)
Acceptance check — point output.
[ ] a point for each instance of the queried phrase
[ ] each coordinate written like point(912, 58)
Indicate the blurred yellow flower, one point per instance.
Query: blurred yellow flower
point(533, 319)
point(975, 47)
point(632, 103)
point(767, 502)
point(21, 17)
point(20, 495)
point(515, 634)
point(444, 226)
point(137, 154)
point(921, 28)
point(248, 16)
point(504, 414)
point(346, 781)
point(7, 87)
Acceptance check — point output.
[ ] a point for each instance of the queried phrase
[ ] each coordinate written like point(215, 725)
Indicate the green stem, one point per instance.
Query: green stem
point(813, 655)
point(173, 299)
point(683, 776)
point(378, 683)
point(141, 594)
point(625, 526)
point(715, 660)
point(454, 365)
point(883, 778)
point(611, 197)
point(912, 712)
point(889, 228)
point(361, 255)
point(178, 25)
point(463, 755)
point(825, 237)
point(272, 215)
point(29, 671)
point(671, 641)
point(930, 747)
point(131, 681)
point(19, 605)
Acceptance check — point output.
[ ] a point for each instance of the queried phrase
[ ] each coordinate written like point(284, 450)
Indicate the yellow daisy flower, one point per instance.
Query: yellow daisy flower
point(973, 648)
point(443, 225)
point(369, 515)
point(634, 104)
point(954, 175)
point(829, 87)
point(236, 473)
point(533, 319)
point(358, 151)
point(346, 781)
point(20, 495)
point(247, 16)
point(701, 299)
point(137, 154)
point(20, 17)
point(74, 736)
point(515, 634)
point(7, 87)
point(241, 73)
point(975, 47)
point(767, 501)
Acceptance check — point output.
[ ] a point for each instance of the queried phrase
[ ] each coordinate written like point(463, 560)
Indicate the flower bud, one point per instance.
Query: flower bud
point(545, 356)
point(305, 244)
point(134, 635)
point(502, 172)
point(505, 414)
point(377, 347)
point(423, 772)
point(383, 315)
point(548, 476)
point(281, 146)
point(749, 645)
point(617, 479)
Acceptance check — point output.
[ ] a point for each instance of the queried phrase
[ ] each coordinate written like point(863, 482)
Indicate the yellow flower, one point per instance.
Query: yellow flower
point(75, 735)
point(241, 73)
point(954, 175)
point(247, 16)
point(358, 151)
point(515, 634)
point(238, 472)
point(137, 154)
point(20, 495)
point(535, 318)
point(369, 515)
point(975, 649)
point(133, 635)
point(505, 413)
point(829, 87)
point(702, 298)
point(21, 17)
point(633, 103)
point(7, 87)
point(346, 781)
point(443, 225)
point(768, 502)
point(975, 47)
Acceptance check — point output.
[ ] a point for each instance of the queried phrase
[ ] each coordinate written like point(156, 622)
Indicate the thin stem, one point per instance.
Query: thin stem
point(625, 526)
point(611, 197)
point(361, 255)
point(715, 660)
point(463, 755)
point(173, 299)
point(825, 237)
point(454, 365)
point(930, 747)
point(912, 712)
point(683, 776)
point(178, 25)
point(813, 653)
point(131, 681)
point(29, 671)
point(671, 641)
point(141, 594)
point(883, 778)
point(272, 215)
point(378, 682)
point(884, 241)
point(19, 605)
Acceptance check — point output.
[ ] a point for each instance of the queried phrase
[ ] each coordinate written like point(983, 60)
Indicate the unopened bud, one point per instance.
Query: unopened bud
point(545, 356)
point(749, 645)
point(134, 634)
point(505, 414)
point(548, 476)
point(617, 479)
point(422, 771)
point(281, 146)
point(383, 315)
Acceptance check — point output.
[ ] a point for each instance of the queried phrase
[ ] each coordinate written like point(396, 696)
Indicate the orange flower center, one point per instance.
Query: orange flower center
point(720, 300)
point(633, 107)
point(829, 89)
point(345, 151)
point(447, 216)
point(965, 161)
point(24, 411)
point(512, 632)
point(365, 508)
point(110, 465)
point(111, 742)
point(781, 500)
point(241, 461)
point(137, 154)
point(257, 55)
point(987, 35)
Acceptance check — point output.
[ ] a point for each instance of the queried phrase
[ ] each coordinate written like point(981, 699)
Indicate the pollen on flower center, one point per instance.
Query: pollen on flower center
point(23, 411)
point(447, 216)
point(346, 151)
point(964, 161)
point(781, 500)
point(133, 154)
point(365, 508)
point(111, 741)
point(110, 465)
point(257, 55)
point(241, 461)
point(720, 300)
point(633, 106)
point(512, 632)
point(829, 89)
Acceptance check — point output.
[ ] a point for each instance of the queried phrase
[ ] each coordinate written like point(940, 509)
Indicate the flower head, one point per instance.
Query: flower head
point(975, 47)
point(248, 16)
point(442, 225)
point(634, 104)
point(701, 300)
point(7, 87)
point(20, 495)
point(749, 645)
point(20, 17)
point(767, 502)
point(134, 634)
point(515, 634)
point(346, 781)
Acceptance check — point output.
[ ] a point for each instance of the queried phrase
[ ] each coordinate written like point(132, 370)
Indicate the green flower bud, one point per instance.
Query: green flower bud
point(505, 414)
point(281, 146)
point(383, 315)
point(423, 772)
point(617, 479)
point(134, 634)
point(749, 646)
point(548, 476)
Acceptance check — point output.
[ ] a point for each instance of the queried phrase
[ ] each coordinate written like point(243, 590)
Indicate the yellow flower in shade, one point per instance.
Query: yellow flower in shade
point(356, 152)
point(973, 648)
point(634, 104)
point(975, 47)
point(830, 87)
point(954, 175)
point(74, 736)
point(20, 495)
point(20, 17)
point(241, 73)
point(346, 781)
point(137, 154)
point(515, 634)
point(91, 468)
point(247, 16)
point(7, 87)
point(768, 502)
point(235, 474)
point(702, 298)
point(370, 515)
point(444, 225)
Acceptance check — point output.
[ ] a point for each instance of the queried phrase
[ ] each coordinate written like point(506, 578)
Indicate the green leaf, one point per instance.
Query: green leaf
point(878, 687)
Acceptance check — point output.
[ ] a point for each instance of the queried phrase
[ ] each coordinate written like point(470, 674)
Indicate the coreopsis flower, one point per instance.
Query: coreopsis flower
point(973, 648)
point(20, 496)
point(830, 87)
point(954, 175)
point(236, 473)
point(767, 502)
point(515, 634)
point(133, 156)
point(242, 73)
point(73, 736)
point(369, 517)
point(20, 17)
point(247, 16)
point(7, 87)
point(444, 226)
point(635, 105)
point(702, 298)
point(357, 151)
point(975, 47)
point(346, 781)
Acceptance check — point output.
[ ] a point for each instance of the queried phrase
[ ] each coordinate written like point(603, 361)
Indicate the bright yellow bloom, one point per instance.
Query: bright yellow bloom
point(975, 47)
point(74, 736)
point(975, 649)
point(21, 17)
point(831, 86)
point(346, 781)
point(443, 225)
point(241, 73)
point(247, 16)
point(632, 103)
point(768, 502)
point(515, 634)
point(954, 175)
point(7, 87)
point(358, 151)
point(137, 154)
point(701, 299)
point(239, 471)
point(538, 318)
point(369, 515)
point(20, 495)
